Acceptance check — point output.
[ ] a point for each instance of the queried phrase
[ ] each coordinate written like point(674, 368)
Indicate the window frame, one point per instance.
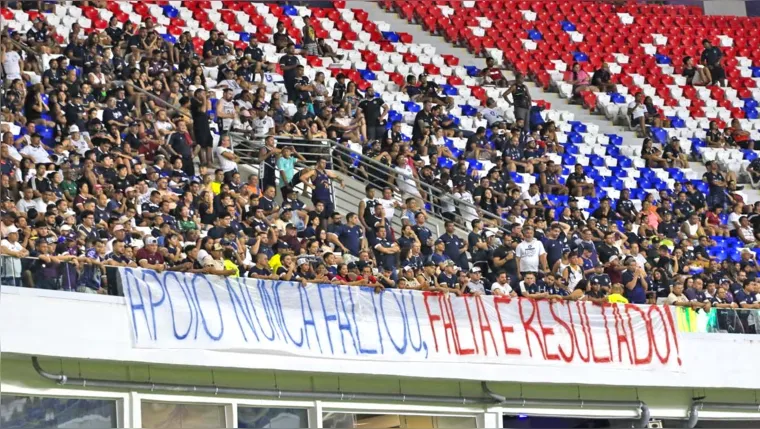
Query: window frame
point(121, 399)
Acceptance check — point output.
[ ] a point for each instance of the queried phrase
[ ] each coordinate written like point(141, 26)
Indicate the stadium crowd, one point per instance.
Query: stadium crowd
point(101, 175)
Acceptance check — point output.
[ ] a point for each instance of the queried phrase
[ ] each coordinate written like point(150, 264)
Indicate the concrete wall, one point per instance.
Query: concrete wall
point(726, 7)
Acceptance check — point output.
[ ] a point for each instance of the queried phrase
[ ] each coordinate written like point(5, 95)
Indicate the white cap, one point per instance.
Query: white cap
point(11, 230)
point(65, 227)
point(490, 234)
point(73, 129)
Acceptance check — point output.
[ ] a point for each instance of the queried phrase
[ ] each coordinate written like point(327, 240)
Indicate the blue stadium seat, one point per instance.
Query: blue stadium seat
point(567, 26)
point(170, 11)
point(390, 36)
point(411, 106)
point(534, 35)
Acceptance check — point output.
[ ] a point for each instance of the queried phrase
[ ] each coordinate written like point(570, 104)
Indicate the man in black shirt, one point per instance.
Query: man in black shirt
point(717, 183)
point(668, 227)
point(375, 110)
point(607, 249)
point(339, 89)
point(179, 144)
point(711, 57)
point(579, 184)
point(392, 135)
point(113, 31)
point(302, 86)
point(280, 39)
point(422, 120)
point(625, 207)
point(601, 79)
point(209, 44)
point(38, 34)
point(289, 64)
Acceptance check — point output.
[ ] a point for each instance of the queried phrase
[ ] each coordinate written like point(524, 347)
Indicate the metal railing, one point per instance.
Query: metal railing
point(366, 170)
point(70, 276)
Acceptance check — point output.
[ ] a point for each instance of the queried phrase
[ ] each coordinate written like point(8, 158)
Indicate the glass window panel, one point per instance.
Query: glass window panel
point(252, 417)
point(188, 416)
point(388, 421)
point(44, 412)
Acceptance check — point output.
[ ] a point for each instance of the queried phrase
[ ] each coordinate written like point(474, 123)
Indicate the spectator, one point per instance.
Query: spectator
point(711, 58)
point(580, 80)
point(602, 79)
point(11, 252)
point(697, 75)
point(521, 101)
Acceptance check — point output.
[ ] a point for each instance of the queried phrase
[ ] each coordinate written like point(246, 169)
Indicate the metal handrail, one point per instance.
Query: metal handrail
point(169, 106)
point(247, 139)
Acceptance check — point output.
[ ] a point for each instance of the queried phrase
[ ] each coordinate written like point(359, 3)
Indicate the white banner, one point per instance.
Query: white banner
point(172, 310)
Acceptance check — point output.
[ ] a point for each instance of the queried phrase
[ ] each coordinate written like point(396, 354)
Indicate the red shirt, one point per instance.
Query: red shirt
point(152, 258)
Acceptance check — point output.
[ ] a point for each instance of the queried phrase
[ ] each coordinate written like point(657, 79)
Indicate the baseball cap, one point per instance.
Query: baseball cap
point(429, 263)
point(408, 268)
point(302, 261)
point(151, 240)
point(475, 269)
point(73, 129)
point(12, 229)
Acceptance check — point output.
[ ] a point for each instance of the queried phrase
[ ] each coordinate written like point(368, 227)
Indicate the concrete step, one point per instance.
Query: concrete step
point(419, 35)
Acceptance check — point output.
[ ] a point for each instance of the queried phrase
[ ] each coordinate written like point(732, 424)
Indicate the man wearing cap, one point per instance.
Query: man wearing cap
point(36, 151)
point(12, 251)
point(475, 284)
point(149, 258)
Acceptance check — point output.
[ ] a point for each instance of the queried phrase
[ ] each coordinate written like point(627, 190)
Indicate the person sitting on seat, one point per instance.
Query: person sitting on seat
point(697, 75)
point(602, 79)
point(580, 80)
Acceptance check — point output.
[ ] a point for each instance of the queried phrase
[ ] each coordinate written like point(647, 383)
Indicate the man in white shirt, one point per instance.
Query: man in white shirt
point(492, 113)
point(12, 63)
point(263, 124)
point(501, 287)
point(12, 251)
point(637, 110)
point(227, 159)
point(27, 202)
point(530, 253)
point(36, 151)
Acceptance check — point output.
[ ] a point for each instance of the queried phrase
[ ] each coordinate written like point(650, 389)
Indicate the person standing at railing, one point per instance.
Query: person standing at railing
point(268, 155)
point(322, 181)
point(12, 251)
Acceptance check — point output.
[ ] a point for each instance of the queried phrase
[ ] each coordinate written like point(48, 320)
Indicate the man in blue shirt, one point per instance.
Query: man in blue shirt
point(746, 297)
point(696, 295)
point(455, 247)
point(351, 235)
point(386, 251)
point(423, 233)
point(635, 282)
point(439, 257)
point(553, 244)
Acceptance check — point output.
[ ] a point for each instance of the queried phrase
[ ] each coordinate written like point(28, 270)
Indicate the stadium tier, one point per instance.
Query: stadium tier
point(319, 190)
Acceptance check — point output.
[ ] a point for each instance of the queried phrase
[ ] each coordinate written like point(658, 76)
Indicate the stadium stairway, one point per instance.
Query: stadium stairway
point(377, 14)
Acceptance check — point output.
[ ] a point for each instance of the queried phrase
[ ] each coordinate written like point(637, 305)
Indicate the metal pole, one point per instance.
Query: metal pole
point(151, 96)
